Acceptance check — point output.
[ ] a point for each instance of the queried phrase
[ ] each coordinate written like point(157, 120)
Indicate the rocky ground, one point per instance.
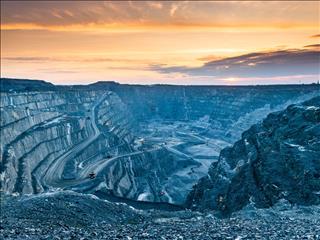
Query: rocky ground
point(69, 215)
point(278, 158)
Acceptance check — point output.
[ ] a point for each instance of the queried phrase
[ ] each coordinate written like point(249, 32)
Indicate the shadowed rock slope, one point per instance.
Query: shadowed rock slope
point(69, 215)
point(276, 159)
point(143, 143)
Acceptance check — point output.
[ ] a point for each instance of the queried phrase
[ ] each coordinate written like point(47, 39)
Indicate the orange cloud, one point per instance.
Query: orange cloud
point(101, 38)
point(137, 16)
point(259, 64)
point(153, 27)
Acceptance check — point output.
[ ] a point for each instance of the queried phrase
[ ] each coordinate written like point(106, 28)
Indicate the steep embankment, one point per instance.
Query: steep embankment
point(45, 136)
point(276, 159)
point(149, 143)
point(55, 139)
point(228, 110)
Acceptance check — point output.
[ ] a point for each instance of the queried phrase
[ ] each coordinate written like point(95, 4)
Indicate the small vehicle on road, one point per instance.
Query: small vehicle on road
point(92, 175)
point(161, 193)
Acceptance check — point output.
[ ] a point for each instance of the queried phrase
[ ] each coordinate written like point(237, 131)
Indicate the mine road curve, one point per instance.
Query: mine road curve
point(100, 165)
point(203, 139)
point(52, 177)
point(96, 168)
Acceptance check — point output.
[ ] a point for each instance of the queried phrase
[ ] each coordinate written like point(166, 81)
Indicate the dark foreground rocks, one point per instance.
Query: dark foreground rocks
point(276, 159)
point(68, 215)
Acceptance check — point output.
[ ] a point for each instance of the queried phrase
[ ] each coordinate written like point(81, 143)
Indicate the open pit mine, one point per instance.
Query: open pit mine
point(158, 150)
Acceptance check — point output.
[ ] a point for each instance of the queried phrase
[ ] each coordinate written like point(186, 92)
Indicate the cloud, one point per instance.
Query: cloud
point(313, 46)
point(56, 15)
point(61, 72)
point(155, 5)
point(76, 59)
point(27, 59)
point(173, 9)
point(209, 58)
point(260, 64)
point(315, 36)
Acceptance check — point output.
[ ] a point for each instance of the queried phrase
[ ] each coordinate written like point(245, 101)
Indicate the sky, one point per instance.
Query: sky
point(148, 42)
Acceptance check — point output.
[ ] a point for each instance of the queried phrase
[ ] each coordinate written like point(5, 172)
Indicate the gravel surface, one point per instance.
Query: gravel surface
point(70, 215)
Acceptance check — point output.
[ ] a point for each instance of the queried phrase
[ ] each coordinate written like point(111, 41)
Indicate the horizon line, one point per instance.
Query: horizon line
point(160, 84)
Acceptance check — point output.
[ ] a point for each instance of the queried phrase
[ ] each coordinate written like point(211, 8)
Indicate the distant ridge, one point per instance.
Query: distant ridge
point(15, 84)
point(12, 84)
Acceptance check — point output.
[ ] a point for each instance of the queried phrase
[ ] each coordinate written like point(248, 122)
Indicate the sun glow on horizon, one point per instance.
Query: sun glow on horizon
point(232, 80)
point(147, 42)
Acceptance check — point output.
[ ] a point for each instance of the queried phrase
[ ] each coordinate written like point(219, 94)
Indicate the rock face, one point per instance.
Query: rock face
point(146, 143)
point(52, 130)
point(228, 110)
point(276, 159)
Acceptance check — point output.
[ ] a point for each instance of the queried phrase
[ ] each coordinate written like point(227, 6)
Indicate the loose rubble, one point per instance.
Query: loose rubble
point(68, 215)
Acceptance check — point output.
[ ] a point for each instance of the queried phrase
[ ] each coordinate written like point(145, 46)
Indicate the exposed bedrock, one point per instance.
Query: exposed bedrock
point(276, 159)
point(155, 175)
point(148, 143)
point(228, 110)
point(41, 128)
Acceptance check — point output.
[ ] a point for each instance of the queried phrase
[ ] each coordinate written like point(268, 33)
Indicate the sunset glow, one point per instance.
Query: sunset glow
point(158, 42)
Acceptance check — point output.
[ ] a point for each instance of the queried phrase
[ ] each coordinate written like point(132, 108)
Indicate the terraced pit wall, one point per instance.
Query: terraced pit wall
point(55, 138)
